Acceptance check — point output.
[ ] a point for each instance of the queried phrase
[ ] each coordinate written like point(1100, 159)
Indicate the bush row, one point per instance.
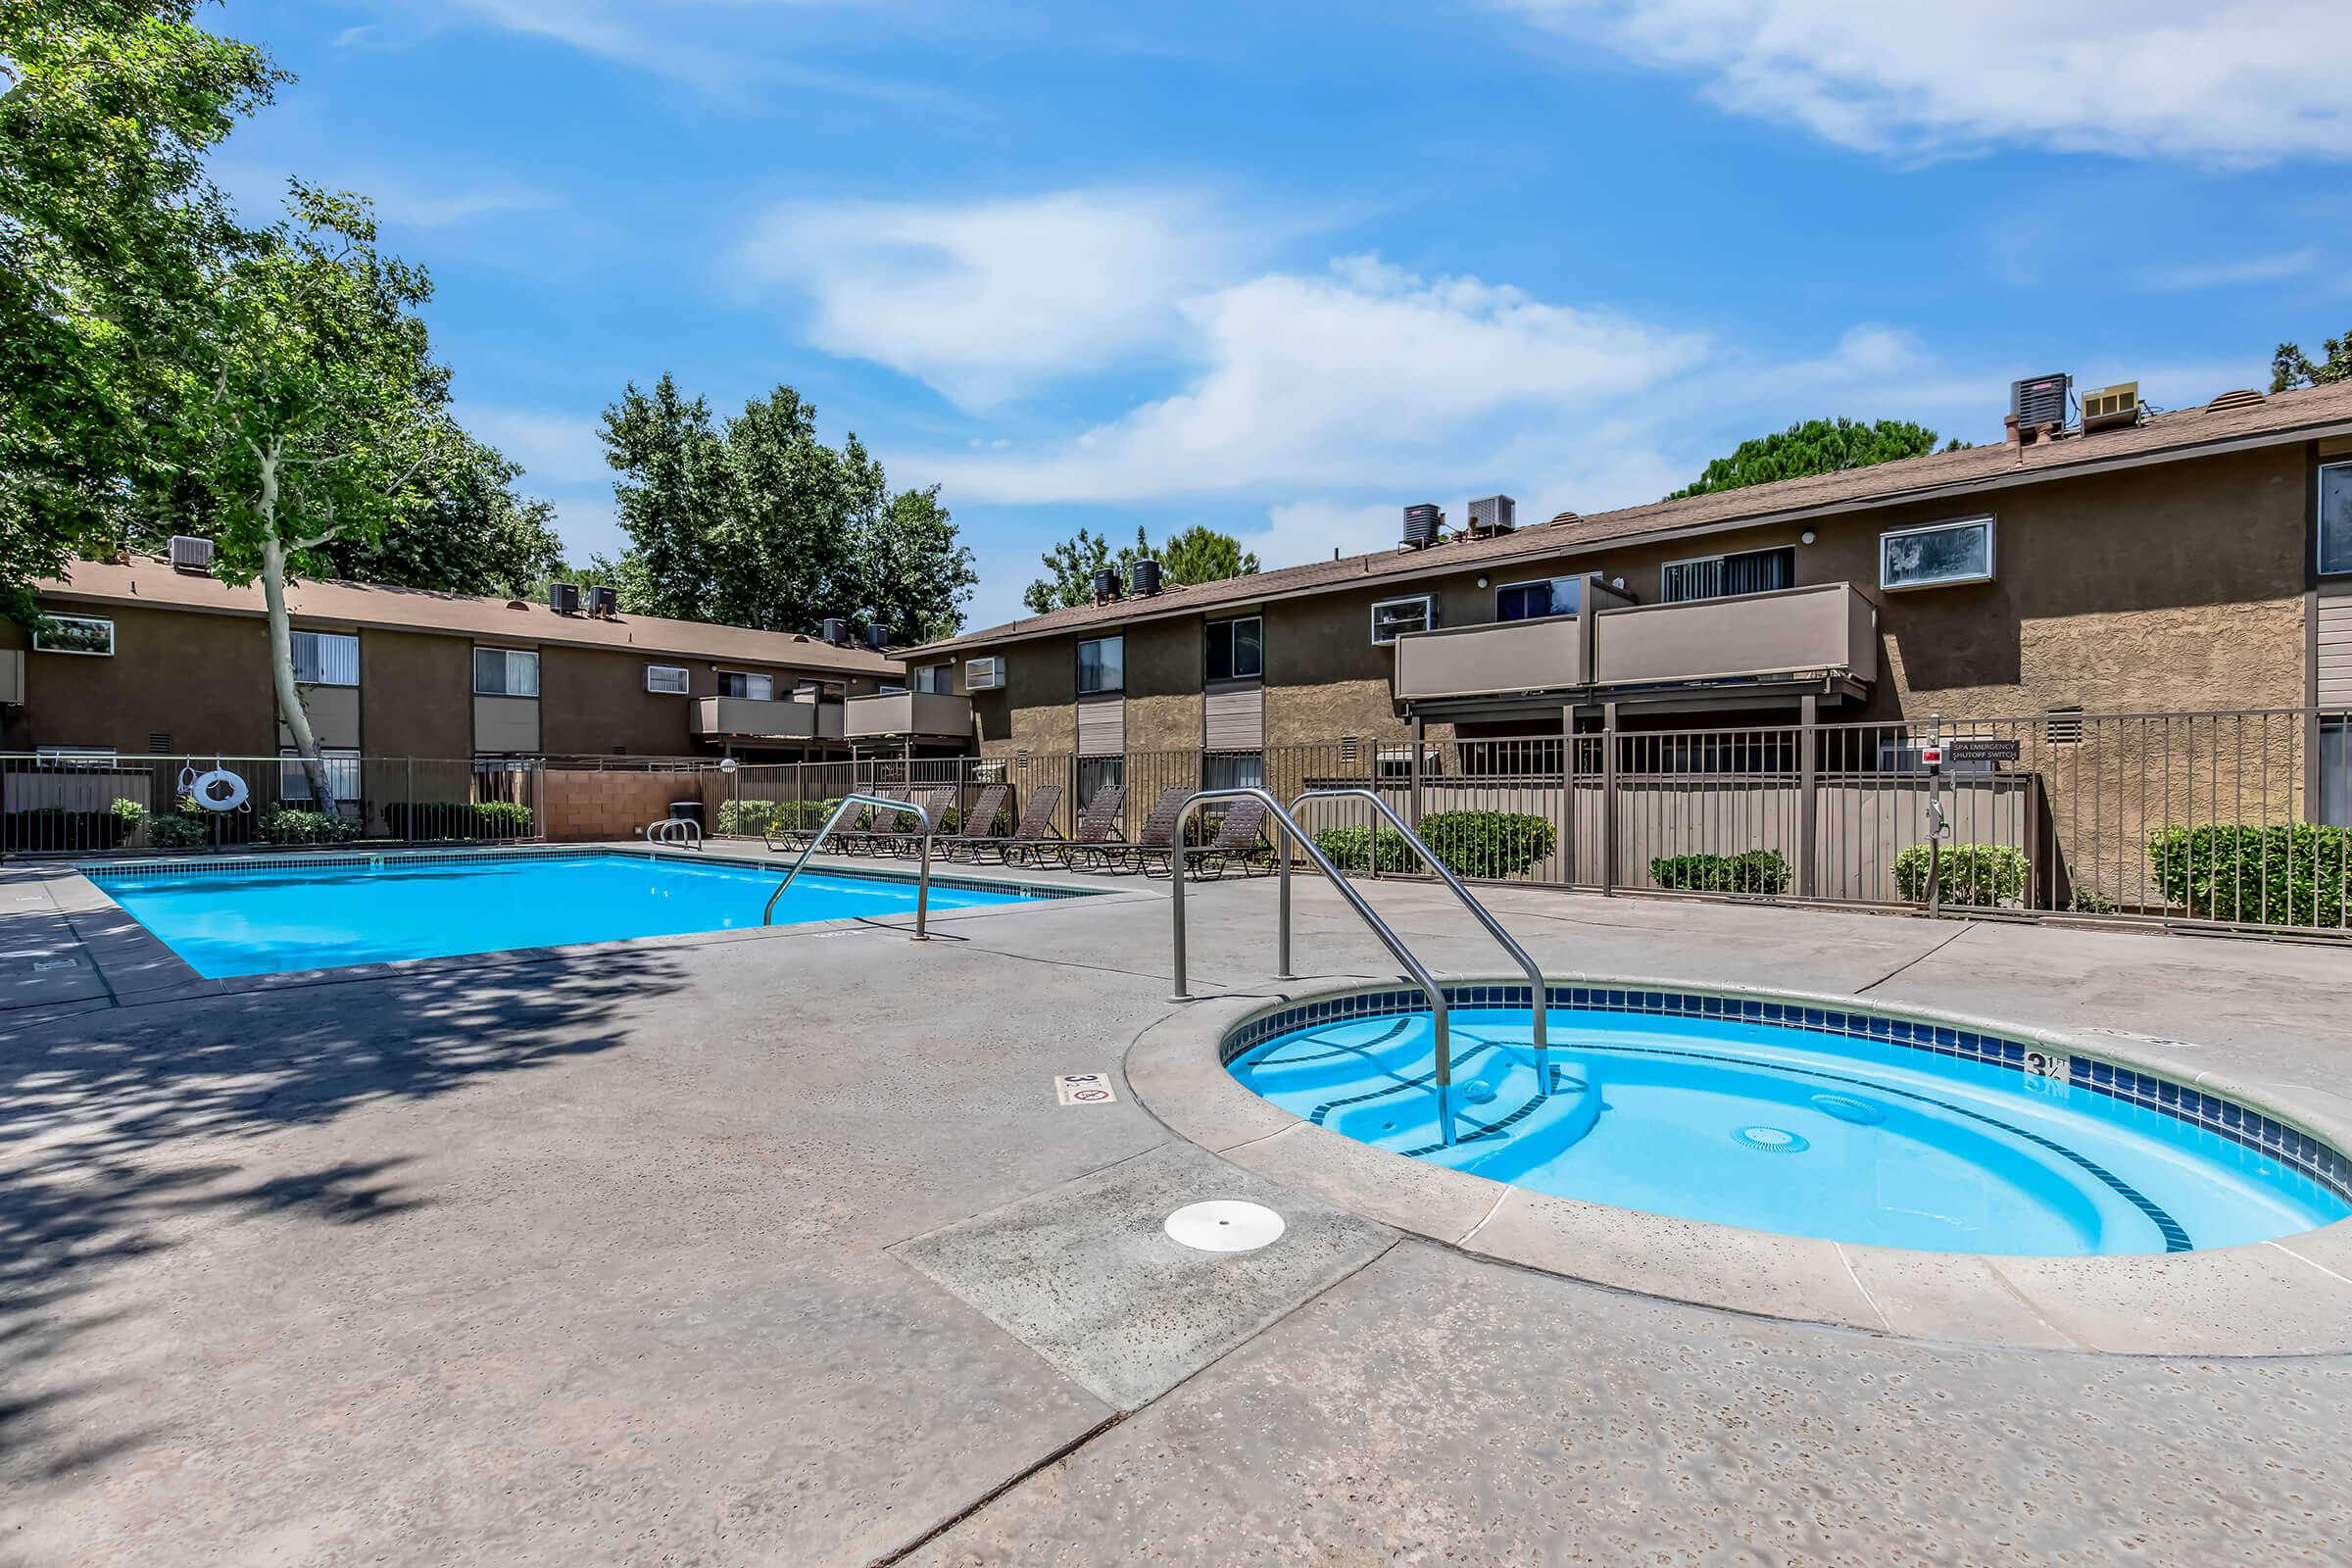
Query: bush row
point(2289, 874)
point(54, 827)
point(1979, 875)
point(1752, 871)
point(1483, 844)
point(458, 819)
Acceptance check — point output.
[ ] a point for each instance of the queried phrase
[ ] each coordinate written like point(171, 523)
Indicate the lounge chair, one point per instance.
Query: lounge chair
point(1240, 840)
point(979, 825)
point(1158, 833)
point(791, 840)
point(1095, 826)
point(1036, 827)
point(897, 832)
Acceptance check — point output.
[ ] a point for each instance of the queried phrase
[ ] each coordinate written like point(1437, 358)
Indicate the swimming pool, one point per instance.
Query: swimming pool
point(268, 917)
point(1802, 1121)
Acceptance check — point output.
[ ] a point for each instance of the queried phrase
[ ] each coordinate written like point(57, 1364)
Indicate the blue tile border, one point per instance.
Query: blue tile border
point(2306, 1157)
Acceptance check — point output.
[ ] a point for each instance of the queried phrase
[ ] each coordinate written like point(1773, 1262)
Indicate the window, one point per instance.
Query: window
point(667, 679)
point(1933, 557)
point(326, 658)
point(1237, 648)
point(738, 683)
point(1528, 601)
point(940, 678)
point(506, 673)
point(75, 634)
point(984, 674)
point(1391, 618)
point(1393, 764)
point(1233, 770)
point(1102, 665)
point(2335, 517)
point(2336, 772)
point(342, 773)
point(76, 755)
point(1748, 571)
point(1097, 774)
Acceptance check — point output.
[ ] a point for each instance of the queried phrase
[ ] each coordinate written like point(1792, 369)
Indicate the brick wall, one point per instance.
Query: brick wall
point(585, 807)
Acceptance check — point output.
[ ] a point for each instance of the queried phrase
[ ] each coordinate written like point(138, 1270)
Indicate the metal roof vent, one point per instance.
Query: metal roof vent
point(1422, 526)
point(2245, 397)
point(2040, 400)
point(1492, 515)
point(1147, 578)
point(189, 553)
point(1561, 520)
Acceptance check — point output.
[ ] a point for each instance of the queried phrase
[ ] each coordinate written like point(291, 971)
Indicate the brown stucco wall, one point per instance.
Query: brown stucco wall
point(591, 702)
point(416, 695)
point(1163, 686)
point(202, 679)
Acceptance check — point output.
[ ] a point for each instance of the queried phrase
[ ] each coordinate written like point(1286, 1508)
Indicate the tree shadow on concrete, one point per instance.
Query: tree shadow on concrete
point(121, 1134)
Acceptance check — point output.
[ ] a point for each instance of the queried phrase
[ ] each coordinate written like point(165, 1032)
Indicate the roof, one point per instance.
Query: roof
point(2161, 438)
point(155, 584)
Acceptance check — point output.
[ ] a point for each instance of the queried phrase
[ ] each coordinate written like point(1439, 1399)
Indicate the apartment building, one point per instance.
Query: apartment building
point(140, 658)
point(2199, 559)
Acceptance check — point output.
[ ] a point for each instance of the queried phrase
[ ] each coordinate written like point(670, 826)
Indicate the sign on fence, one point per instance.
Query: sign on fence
point(1979, 749)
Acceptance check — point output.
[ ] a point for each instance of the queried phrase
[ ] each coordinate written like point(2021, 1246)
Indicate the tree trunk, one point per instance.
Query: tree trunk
point(282, 644)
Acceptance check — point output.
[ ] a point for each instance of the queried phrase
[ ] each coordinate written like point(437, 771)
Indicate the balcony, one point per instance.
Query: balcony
point(755, 718)
point(1822, 639)
point(894, 716)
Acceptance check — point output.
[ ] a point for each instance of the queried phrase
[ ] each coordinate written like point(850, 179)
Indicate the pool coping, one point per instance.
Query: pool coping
point(134, 967)
point(2288, 1296)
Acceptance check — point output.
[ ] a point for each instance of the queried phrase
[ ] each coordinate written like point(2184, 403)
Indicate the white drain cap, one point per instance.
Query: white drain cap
point(1224, 1225)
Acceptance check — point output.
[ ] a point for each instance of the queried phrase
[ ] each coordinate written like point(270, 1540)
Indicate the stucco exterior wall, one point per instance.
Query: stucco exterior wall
point(416, 695)
point(202, 680)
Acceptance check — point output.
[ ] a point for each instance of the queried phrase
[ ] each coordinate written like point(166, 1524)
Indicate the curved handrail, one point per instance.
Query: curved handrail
point(1436, 993)
point(1538, 998)
point(854, 802)
point(675, 830)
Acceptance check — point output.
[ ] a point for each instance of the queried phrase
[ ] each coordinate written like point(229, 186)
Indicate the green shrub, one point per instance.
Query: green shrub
point(287, 825)
point(177, 832)
point(1763, 872)
point(748, 819)
point(1981, 875)
point(2290, 875)
point(54, 827)
point(1481, 844)
point(458, 819)
point(2083, 901)
point(502, 819)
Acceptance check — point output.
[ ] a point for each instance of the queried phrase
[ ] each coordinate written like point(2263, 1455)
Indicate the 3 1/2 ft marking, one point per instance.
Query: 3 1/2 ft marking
point(1084, 1089)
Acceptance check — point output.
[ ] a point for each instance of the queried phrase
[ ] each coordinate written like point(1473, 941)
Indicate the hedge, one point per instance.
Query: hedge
point(1981, 875)
point(279, 824)
point(1483, 844)
point(2289, 874)
point(177, 832)
point(54, 827)
point(1752, 871)
point(458, 819)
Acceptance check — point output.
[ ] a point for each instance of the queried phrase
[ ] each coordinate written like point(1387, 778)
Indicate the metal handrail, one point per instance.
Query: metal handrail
point(675, 830)
point(1539, 997)
point(922, 886)
point(1355, 899)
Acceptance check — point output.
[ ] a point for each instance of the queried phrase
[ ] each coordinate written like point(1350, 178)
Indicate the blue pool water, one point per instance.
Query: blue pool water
point(245, 922)
point(1792, 1131)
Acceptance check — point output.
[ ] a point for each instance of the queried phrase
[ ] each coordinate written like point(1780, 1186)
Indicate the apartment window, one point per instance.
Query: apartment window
point(1233, 770)
point(2335, 772)
point(1237, 648)
point(1937, 556)
point(939, 678)
point(1102, 665)
point(506, 673)
point(1531, 601)
point(342, 773)
point(667, 679)
point(1747, 571)
point(326, 658)
point(742, 683)
point(75, 634)
point(2335, 517)
point(1392, 618)
point(1097, 774)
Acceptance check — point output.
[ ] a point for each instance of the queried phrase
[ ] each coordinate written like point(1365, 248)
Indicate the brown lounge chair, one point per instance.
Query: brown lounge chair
point(1238, 841)
point(1035, 827)
point(979, 824)
point(1158, 833)
point(1095, 826)
point(897, 832)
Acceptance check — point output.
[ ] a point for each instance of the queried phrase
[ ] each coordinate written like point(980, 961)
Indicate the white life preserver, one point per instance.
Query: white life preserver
point(231, 788)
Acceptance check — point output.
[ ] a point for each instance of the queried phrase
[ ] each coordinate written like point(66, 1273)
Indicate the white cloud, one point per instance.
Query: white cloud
point(402, 202)
point(989, 299)
point(2270, 268)
point(555, 449)
point(2224, 81)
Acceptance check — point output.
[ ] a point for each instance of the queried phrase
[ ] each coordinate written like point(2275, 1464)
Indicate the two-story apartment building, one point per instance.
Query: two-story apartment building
point(141, 659)
point(2200, 559)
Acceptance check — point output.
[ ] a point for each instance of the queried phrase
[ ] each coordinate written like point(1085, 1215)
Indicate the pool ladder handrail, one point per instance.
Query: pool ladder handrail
point(1539, 994)
point(1413, 966)
point(675, 830)
point(854, 801)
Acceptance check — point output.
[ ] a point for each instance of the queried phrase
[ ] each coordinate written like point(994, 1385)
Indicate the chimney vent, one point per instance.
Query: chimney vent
point(1147, 578)
point(1422, 524)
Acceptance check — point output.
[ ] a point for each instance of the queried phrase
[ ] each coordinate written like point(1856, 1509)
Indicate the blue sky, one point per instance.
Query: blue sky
point(1282, 269)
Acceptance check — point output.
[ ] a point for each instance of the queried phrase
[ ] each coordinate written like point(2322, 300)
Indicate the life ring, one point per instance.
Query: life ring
point(230, 791)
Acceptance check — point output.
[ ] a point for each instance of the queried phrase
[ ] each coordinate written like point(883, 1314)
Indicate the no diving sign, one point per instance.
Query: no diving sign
point(1083, 1089)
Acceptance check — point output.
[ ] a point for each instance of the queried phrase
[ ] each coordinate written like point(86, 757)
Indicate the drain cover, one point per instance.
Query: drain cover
point(1478, 1094)
point(1224, 1225)
point(1846, 1108)
point(1773, 1139)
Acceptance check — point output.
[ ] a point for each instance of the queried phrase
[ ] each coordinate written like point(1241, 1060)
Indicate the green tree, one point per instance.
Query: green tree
point(1813, 446)
point(322, 417)
point(782, 548)
point(2290, 367)
point(470, 533)
point(109, 240)
point(1202, 554)
point(673, 501)
point(1199, 554)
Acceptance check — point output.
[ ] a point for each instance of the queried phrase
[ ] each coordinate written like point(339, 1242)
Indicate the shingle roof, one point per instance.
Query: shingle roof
point(154, 583)
point(2163, 437)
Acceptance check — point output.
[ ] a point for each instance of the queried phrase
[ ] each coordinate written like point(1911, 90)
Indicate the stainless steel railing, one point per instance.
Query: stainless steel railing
point(854, 802)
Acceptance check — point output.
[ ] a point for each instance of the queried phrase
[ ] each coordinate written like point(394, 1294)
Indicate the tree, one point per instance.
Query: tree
point(469, 533)
point(1813, 446)
point(907, 572)
point(110, 240)
point(323, 418)
point(1199, 554)
point(2291, 368)
point(673, 502)
point(782, 548)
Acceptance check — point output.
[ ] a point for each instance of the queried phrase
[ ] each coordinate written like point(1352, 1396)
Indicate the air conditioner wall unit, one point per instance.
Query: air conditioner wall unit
point(2111, 408)
point(190, 553)
point(984, 674)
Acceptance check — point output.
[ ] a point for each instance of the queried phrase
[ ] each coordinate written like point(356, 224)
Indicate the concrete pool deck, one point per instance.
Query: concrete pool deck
point(780, 1248)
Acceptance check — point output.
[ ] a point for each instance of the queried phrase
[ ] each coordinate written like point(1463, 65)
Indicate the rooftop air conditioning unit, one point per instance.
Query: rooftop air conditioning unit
point(835, 630)
point(1422, 526)
point(984, 674)
point(603, 600)
point(2111, 408)
point(1147, 578)
point(877, 637)
point(1494, 515)
point(2040, 400)
point(189, 553)
point(1106, 585)
point(563, 597)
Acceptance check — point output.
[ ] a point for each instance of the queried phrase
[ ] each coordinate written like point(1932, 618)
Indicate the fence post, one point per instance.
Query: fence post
point(1568, 795)
point(1609, 798)
point(1809, 799)
point(1414, 797)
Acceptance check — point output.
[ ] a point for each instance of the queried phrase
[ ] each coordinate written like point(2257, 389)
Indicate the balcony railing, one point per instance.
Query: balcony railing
point(1505, 656)
point(764, 719)
point(907, 713)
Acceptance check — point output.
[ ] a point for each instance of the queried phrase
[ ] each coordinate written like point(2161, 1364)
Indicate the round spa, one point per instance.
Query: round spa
point(1800, 1119)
